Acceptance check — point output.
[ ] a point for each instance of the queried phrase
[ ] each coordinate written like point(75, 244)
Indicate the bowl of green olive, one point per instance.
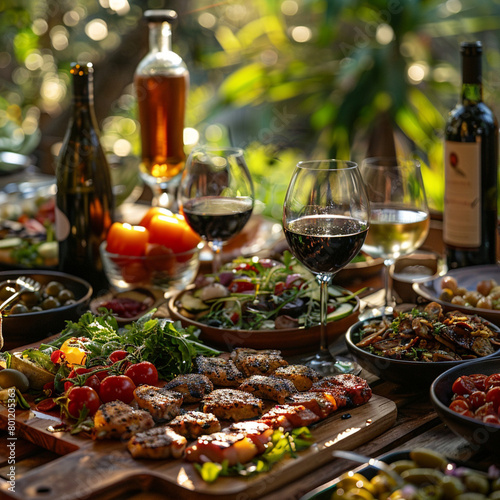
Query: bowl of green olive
point(36, 315)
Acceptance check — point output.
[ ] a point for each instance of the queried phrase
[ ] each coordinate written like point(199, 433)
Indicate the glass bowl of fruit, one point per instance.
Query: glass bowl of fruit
point(161, 252)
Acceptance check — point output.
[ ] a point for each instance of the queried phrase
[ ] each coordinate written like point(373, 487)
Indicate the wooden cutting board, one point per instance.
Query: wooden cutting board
point(90, 469)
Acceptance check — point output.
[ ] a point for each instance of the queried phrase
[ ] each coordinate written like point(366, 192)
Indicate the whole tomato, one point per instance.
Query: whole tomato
point(117, 387)
point(117, 356)
point(80, 398)
point(143, 373)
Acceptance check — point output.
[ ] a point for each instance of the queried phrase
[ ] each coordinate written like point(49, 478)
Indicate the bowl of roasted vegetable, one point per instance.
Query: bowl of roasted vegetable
point(35, 315)
point(414, 347)
point(261, 304)
point(473, 290)
point(467, 399)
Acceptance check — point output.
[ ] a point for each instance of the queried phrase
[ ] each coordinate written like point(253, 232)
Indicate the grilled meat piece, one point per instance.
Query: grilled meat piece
point(319, 403)
point(234, 447)
point(302, 376)
point(117, 420)
point(260, 364)
point(259, 432)
point(195, 423)
point(289, 417)
point(160, 402)
point(347, 389)
point(240, 353)
point(193, 386)
point(268, 387)
point(157, 443)
point(232, 404)
point(220, 371)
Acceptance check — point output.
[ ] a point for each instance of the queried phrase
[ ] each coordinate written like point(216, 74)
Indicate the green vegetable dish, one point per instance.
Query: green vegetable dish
point(262, 294)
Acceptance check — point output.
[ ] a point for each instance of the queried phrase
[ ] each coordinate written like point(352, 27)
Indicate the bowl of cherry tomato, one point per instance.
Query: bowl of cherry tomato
point(467, 399)
point(161, 252)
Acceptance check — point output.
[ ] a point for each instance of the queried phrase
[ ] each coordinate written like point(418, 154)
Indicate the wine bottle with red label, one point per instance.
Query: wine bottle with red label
point(471, 165)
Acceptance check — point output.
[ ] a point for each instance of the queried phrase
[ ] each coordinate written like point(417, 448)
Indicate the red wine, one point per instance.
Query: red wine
point(471, 162)
point(325, 243)
point(217, 218)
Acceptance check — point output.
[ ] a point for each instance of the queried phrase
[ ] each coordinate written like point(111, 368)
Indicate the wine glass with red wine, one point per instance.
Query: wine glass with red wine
point(216, 195)
point(325, 219)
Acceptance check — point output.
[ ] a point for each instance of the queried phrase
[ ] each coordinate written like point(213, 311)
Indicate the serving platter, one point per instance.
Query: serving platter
point(289, 340)
point(92, 469)
point(467, 277)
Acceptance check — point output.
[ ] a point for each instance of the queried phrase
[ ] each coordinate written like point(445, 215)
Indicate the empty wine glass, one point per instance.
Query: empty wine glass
point(325, 219)
point(216, 195)
point(399, 214)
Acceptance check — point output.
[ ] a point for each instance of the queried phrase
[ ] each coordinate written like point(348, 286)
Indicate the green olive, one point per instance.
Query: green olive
point(36, 309)
point(495, 485)
point(495, 495)
point(53, 288)
point(50, 303)
point(401, 465)
point(30, 298)
point(422, 475)
point(451, 486)
point(65, 295)
point(10, 377)
point(476, 483)
point(471, 496)
point(424, 457)
point(18, 309)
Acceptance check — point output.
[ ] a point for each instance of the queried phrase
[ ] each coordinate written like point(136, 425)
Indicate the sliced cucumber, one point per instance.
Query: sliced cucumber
point(333, 291)
point(10, 242)
point(193, 304)
point(341, 312)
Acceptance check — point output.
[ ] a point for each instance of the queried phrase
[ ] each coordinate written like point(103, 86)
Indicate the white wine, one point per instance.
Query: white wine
point(395, 231)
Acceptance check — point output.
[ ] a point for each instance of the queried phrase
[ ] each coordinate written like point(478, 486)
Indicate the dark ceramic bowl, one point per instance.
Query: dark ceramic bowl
point(22, 329)
point(416, 374)
point(476, 432)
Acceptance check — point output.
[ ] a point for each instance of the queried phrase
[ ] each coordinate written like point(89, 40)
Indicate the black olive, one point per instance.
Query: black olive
point(214, 323)
point(65, 295)
point(50, 303)
point(18, 309)
point(294, 308)
point(53, 288)
point(30, 298)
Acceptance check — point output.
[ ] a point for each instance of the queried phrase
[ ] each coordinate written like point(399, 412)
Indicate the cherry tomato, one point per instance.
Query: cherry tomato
point(477, 399)
point(486, 409)
point(46, 405)
point(80, 398)
point(117, 387)
point(143, 373)
point(491, 419)
point(279, 288)
point(459, 405)
point(101, 375)
point(463, 385)
point(91, 381)
point(118, 355)
point(492, 381)
point(241, 285)
point(493, 396)
point(57, 357)
point(125, 239)
point(479, 381)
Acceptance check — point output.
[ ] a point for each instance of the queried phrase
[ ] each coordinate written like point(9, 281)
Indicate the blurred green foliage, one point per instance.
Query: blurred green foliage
point(286, 79)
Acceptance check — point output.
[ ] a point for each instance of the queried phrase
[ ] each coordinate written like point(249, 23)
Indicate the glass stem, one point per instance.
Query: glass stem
point(217, 255)
point(324, 281)
point(387, 283)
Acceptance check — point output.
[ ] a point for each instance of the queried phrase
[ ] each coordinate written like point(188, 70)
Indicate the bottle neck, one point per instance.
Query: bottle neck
point(472, 93)
point(160, 37)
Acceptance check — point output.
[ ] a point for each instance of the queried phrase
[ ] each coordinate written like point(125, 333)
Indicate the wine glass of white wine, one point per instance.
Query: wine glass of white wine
point(399, 220)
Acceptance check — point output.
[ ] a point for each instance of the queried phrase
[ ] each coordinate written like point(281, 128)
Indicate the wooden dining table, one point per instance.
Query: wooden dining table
point(416, 425)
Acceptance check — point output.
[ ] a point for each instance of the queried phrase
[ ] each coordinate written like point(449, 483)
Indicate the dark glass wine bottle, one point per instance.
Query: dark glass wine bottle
point(84, 200)
point(471, 164)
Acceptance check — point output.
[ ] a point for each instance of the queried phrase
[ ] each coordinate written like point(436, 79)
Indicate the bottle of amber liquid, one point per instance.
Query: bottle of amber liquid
point(161, 81)
point(84, 200)
point(471, 165)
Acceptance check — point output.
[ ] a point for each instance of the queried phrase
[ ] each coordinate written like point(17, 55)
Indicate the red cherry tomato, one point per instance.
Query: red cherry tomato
point(80, 398)
point(479, 381)
point(116, 356)
point(57, 357)
point(46, 405)
point(492, 381)
point(493, 396)
point(117, 387)
point(477, 399)
point(143, 373)
point(241, 285)
point(486, 409)
point(91, 381)
point(491, 419)
point(101, 375)
point(125, 239)
point(459, 405)
point(463, 385)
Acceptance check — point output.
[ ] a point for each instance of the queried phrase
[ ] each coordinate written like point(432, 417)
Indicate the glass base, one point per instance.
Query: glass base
point(327, 365)
point(377, 311)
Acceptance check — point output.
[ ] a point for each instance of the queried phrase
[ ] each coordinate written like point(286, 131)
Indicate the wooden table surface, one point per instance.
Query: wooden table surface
point(417, 424)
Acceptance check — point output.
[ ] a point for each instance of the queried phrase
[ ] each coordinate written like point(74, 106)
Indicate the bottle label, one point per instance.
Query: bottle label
point(462, 195)
point(62, 225)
